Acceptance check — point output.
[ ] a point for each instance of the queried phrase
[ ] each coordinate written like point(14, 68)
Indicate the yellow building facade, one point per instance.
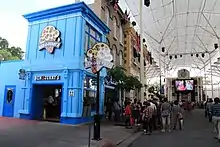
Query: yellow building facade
point(132, 56)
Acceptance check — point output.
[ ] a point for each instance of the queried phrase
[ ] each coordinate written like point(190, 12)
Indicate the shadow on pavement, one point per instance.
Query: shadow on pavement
point(22, 133)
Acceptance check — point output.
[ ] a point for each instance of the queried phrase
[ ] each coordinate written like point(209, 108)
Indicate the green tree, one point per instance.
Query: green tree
point(132, 83)
point(3, 43)
point(16, 52)
point(118, 74)
point(9, 53)
point(123, 81)
point(5, 55)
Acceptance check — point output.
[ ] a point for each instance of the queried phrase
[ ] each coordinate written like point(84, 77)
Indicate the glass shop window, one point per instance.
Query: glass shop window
point(90, 83)
point(92, 33)
point(87, 28)
point(9, 95)
point(98, 38)
point(89, 96)
point(92, 42)
point(86, 42)
point(91, 37)
point(89, 102)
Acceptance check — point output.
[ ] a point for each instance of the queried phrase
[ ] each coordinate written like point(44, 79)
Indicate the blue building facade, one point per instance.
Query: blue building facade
point(57, 41)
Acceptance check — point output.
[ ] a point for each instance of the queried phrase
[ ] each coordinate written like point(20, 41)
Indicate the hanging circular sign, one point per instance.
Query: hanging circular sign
point(99, 56)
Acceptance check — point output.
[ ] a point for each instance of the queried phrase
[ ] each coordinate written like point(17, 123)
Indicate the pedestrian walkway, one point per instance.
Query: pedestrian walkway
point(197, 133)
point(22, 133)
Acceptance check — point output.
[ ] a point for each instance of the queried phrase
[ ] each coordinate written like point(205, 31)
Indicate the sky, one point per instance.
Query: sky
point(13, 26)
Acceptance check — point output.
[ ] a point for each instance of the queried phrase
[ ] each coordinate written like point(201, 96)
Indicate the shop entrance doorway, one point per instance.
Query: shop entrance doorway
point(46, 102)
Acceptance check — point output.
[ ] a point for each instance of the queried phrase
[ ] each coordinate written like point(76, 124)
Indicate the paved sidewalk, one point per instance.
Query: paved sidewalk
point(21, 133)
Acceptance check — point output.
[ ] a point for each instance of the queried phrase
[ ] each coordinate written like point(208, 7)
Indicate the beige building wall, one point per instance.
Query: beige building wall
point(132, 63)
point(113, 19)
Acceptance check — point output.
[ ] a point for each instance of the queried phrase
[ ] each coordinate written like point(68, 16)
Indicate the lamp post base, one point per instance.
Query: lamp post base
point(96, 132)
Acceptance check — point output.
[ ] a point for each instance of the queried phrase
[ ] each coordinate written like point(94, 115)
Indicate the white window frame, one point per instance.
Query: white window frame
point(120, 59)
point(115, 28)
point(121, 35)
point(107, 16)
point(114, 55)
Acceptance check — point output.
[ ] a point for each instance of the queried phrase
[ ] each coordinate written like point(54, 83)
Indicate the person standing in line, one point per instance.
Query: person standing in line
point(117, 109)
point(147, 119)
point(177, 115)
point(215, 110)
point(159, 114)
point(154, 117)
point(208, 109)
point(135, 112)
point(128, 114)
point(165, 114)
point(108, 112)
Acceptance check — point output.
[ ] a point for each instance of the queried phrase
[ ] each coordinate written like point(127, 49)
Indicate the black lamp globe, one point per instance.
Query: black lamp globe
point(133, 23)
point(216, 45)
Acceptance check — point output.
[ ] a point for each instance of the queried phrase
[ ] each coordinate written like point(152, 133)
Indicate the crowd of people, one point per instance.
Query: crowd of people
point(212, 112)
point(154, 115)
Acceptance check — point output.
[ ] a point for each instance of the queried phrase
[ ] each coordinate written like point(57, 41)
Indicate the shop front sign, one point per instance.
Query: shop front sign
point(47, 78)
point(50, 39)
point(99, 56)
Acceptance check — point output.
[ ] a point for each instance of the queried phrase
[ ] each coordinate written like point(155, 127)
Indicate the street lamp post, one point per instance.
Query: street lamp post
point(198, 84)
point(201, 87)
point(210, 62)
point(160, 75)
point(165, 81)
point(141, 51)
point(205, 83)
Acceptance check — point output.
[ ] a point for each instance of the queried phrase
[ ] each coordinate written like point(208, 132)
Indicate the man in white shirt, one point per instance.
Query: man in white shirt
point(154, 117)
point(152, 105)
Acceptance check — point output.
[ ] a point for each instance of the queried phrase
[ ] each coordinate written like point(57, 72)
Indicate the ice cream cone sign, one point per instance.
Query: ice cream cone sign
point(99, 56)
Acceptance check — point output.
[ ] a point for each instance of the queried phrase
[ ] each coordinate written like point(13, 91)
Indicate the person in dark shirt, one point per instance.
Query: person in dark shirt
point(147, 119)
point(136, 111)
point(215, 111)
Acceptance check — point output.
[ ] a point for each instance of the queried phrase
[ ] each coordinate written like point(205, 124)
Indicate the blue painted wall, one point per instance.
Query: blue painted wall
point(67, 61)
point(71, 29)
point(9, 76)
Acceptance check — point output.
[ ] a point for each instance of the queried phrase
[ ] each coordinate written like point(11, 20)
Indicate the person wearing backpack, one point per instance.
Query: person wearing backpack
point(165, 115)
